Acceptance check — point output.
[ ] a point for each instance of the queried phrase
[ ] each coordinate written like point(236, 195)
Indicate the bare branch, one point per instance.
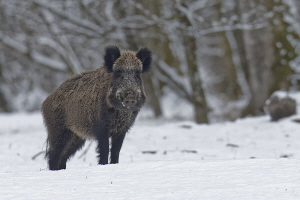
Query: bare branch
point(231, 28)
point(172, 79)
point(33, 55)
point(79, 22)
point(66, 51)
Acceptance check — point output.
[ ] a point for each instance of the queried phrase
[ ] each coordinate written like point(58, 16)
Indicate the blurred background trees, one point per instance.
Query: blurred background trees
point(220, 58)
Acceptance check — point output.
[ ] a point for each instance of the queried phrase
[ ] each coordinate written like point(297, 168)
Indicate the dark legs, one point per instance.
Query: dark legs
point(56, 142)
point(103, 146)
point(116, 148)
point(61, 147)
point(74, 145)
point(64, 144)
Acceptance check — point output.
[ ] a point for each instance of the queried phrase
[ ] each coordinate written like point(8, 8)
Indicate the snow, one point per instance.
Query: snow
point(14, 44)
point(55, 64)
point(251, 158)
point(251, 179)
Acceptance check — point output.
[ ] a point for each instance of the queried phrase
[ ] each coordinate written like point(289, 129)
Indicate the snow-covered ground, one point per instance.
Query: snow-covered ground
point(251, 158)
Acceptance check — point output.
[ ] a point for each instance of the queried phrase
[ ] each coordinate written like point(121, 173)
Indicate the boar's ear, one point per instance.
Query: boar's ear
point(112, 53)
point(145, 55)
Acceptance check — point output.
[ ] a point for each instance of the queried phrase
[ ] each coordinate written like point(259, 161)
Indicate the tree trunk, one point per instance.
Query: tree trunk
point(221, 81)
point(268, 65)
point(260, 58)
point(198, 95)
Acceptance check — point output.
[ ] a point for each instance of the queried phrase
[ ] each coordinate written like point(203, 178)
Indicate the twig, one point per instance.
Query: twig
point(36, 155)
point(86, 150)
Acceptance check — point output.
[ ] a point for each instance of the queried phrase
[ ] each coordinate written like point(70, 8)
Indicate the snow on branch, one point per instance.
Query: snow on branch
point(53, 64)
point(66, 51)
point(168, 75)
point(91, 13)
point(135, 22)
point(253, 26)
point(109, 12)
point(218, 26)
point(75, 20)
point(14, 44)
point(33, 55)
point(132, 21)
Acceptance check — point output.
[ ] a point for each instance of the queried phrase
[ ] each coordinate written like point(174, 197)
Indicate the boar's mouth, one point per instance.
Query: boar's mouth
point(126, 99)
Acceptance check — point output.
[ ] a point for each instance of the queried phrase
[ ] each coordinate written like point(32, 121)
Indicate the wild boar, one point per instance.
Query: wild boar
point(98, 104)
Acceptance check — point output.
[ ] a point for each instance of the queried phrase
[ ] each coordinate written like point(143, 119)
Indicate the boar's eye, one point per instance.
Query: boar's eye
point(118, 73)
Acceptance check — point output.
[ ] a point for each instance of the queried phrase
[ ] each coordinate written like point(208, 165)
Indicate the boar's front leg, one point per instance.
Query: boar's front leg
point(116, 146)
point(103, 144)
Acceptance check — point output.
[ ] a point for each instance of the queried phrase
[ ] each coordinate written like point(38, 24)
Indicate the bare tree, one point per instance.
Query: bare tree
point(224, 58)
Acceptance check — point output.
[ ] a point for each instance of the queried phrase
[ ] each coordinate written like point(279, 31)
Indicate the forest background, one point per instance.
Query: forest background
point(219, 60)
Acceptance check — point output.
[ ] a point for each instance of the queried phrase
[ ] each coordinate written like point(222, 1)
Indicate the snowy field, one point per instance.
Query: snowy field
point(251, 158)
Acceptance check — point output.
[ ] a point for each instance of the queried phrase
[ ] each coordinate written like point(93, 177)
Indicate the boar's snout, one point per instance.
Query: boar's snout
point(128, 98)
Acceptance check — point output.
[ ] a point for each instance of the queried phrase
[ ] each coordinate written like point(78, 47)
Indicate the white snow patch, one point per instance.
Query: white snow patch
point(159, 160)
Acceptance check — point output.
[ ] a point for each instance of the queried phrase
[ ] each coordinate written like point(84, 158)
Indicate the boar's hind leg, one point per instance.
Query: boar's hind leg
point(116, 148)
point(57, 140)
point(73, 145)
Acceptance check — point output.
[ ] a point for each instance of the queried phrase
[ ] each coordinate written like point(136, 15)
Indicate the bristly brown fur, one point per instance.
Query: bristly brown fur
point(97, 105)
